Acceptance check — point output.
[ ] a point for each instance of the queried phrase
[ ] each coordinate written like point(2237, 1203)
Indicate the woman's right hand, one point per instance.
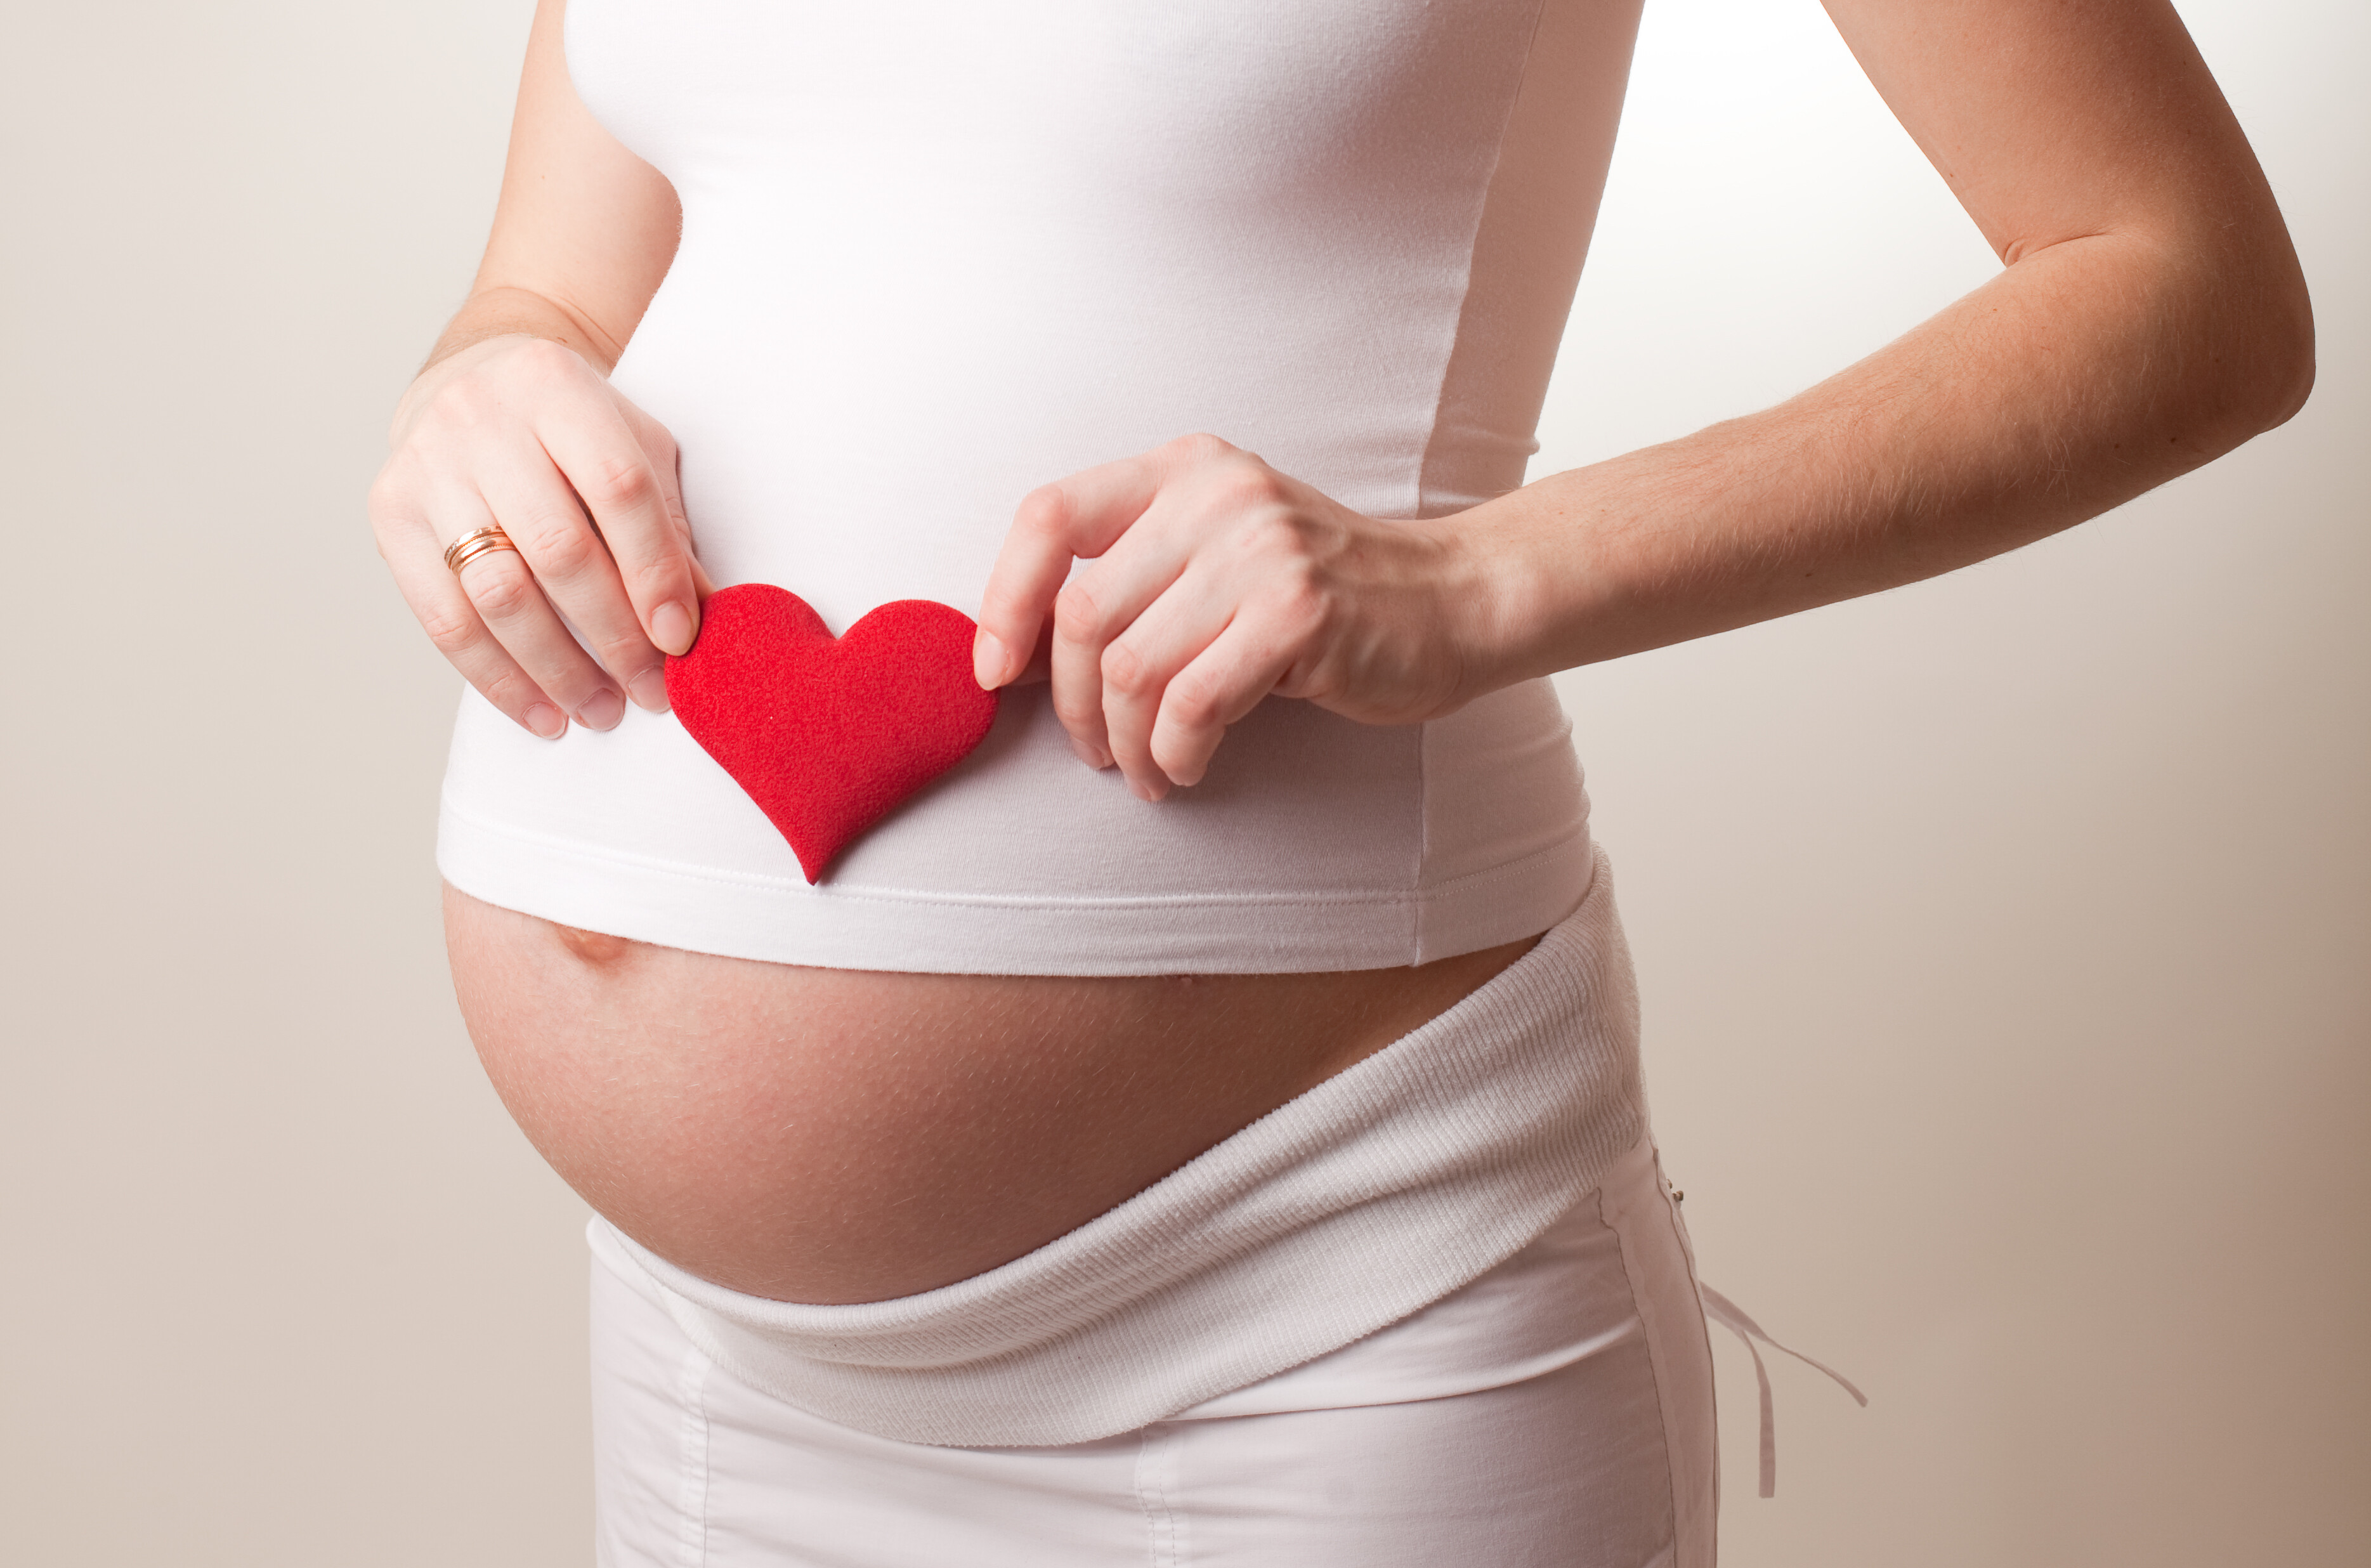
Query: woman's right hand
point(522, 432)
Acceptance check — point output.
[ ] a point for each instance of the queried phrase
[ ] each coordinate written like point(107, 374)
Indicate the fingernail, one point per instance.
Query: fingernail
point(649, 689)
point(601, 710)
point(1094, 757)
point(671, 628)
point(547, 722)
point(987, 661)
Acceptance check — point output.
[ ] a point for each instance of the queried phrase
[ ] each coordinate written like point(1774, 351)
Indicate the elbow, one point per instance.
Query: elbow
point(2288, 373)
point(2264, 360)
point(2223, 308)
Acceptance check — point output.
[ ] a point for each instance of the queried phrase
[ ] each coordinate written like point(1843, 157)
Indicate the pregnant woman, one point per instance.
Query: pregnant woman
point(1203, 1123)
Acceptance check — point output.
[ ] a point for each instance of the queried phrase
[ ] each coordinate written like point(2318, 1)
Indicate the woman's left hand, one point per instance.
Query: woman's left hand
point(1211, 582)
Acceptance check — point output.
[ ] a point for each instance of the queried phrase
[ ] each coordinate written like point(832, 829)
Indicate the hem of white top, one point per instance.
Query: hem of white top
point(771, 919)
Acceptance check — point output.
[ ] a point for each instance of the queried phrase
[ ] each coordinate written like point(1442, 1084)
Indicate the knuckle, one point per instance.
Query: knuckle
point(1192, 701)
point(1286, 540)
point(1077, 618)
point(1180, 755)
point(1125, 670)
point(1201, 446)
point(405, 476)
point(1249, 484)
point(658, 441)
point(653, 580)
point(1078, 711)
point(500, 589)
point(380, 500)
point(564, 548)
point(511, 691)
point(1044, 512)
point(452, 630)
point(627, 650)
point(619, 481)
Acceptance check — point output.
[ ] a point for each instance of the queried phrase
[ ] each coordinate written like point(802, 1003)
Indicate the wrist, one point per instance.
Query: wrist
point(1554, 578)
point(1484, 603)
point(471, 342)
point(457, 353)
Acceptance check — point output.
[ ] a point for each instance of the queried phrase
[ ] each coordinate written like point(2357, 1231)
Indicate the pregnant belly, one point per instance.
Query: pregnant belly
point(833, 1136)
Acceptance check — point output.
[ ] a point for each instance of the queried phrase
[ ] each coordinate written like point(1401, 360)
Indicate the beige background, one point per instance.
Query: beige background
point(2003, 939)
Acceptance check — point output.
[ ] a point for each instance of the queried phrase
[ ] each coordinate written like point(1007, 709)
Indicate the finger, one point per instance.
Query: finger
point(453, 624)
point(538, 511)
point(1040, 666)
point(1234, 674)
point(1072, 518)
point(503, 589)
point(667, 458)
point(1099, 604)
point(1140, 661)
point(1074, 664)
point(600, 455)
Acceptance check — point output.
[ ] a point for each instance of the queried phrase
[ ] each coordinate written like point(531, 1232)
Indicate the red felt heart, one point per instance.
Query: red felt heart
point(827, 735)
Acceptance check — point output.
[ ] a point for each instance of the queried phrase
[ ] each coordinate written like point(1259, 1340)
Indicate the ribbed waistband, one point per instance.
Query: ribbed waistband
point(1381, 1189)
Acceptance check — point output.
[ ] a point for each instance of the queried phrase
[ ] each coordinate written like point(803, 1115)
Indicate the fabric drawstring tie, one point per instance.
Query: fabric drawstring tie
point(1729, 1315)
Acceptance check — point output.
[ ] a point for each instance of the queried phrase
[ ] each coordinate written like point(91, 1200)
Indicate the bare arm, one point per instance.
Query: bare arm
point(512, 424)
point(2150, 318)
point(583, 231)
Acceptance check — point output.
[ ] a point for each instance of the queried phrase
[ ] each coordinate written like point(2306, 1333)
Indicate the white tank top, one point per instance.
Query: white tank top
point(937, 254)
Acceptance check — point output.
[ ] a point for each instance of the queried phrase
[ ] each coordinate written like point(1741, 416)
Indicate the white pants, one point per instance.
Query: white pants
point(1556, 1410)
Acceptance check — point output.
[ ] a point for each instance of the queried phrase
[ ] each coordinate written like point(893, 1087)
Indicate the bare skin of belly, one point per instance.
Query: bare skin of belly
point(833, 1136)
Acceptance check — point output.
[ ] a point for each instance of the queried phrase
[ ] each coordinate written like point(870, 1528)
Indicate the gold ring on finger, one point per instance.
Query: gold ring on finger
point(469, 547)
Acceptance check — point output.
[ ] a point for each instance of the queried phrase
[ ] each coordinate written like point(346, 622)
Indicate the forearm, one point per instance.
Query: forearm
point(2084, 375)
